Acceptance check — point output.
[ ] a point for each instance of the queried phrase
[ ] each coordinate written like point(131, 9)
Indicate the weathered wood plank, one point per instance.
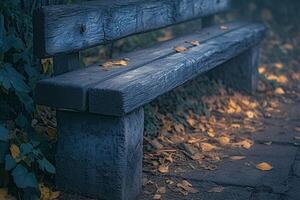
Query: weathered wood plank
point(130, 90)
point(70, 28)
point(100, 156)
point(65, 63)
point(69, 90)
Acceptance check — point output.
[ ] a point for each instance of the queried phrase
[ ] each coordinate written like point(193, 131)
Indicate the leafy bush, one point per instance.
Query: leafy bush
point(20, 154)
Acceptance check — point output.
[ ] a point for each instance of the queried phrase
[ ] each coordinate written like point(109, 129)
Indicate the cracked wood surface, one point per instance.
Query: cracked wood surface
point(70, 28)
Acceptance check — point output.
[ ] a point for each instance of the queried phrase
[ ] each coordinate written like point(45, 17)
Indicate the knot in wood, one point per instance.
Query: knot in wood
point(82, 28)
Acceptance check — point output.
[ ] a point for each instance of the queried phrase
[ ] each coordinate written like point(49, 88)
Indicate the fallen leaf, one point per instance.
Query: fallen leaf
point(179, 128)
point(278, 65)
point(170, 182)
point(3, 193)
point(236, 126)
point(223, 28)
point(180, 49)
point(237, 157)
point(279, 91)
point(211, 133)
point(157, 197)
point(188, 187)
point(161, 190)
point(15, 151)
point(217, 189)
point(297, 138)
point(297, 129)
point(262, 69)
point(47, 193)
point(163, 169)
point(115, 63)
point(52, 133)
point(264, 166)
point(191, 122)
point(195, 43)
point(224, 140)
point(268, 143)
point(207, 147)
point(247, 144)
point(250, 114)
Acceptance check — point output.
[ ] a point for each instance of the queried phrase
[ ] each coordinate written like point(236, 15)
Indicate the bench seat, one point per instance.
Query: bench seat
point(150, 72)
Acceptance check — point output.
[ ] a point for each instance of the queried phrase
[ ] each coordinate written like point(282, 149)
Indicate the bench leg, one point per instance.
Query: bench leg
point(240, 72)
point(100, 156)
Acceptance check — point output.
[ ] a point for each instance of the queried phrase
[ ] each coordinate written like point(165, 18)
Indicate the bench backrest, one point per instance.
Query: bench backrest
point(63, 29)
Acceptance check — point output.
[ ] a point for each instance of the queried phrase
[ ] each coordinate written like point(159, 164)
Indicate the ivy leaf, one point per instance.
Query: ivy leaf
point(3, 133)
point(4, 79)
point(10, 163)
point(26, 100)
point(23, 178)
point(45, 165)
point(26, 148)
point(16, 79)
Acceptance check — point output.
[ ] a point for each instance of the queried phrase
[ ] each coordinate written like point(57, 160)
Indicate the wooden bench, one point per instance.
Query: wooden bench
point(99, 112)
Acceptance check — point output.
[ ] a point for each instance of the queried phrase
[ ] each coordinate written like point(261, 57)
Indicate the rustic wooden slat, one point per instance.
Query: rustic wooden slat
point(65, 63)
point(126, 92)
point(69, 90)
point(70, 28)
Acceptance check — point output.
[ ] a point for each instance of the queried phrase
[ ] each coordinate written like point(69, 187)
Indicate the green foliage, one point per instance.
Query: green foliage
point(18, 75)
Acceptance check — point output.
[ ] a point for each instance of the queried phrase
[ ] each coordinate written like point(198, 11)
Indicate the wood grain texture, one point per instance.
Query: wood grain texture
point(99, 156)
point(65, 63)
point(70, 28)
point(69, 90)
point(135, 88)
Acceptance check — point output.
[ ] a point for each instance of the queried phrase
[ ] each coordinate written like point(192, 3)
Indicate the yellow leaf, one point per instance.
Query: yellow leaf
point(180, 49)
point(237, 157)
point(163, 169)
point(247, 144)
point(216, 189)
point(278, 65)
point(115, 63)
point(279, 91)
point(207, 147)
point(224, 140)
point(15, 151)
point(235, 125)
point(46, 64)
point(264, 166)
point(250, 114)
point(262, 69)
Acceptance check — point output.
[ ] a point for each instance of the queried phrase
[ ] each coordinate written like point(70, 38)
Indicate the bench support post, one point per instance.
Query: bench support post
point(240, 72)
point(100, 156)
